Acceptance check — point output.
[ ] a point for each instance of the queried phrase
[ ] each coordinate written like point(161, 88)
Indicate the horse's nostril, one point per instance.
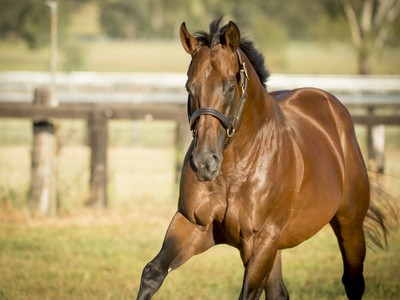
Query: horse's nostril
point(214, 160)
point(196, 162)
point(206, 165)
point(209, 161)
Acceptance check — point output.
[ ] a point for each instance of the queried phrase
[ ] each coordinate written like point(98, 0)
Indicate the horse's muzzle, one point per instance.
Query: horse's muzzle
point(206, 165)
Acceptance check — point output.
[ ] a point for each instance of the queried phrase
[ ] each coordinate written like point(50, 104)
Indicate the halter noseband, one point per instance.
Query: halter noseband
point(229, 123)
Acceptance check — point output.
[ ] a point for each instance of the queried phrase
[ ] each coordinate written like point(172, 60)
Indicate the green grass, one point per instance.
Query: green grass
point(141, 156)
point(334, 58)
point(17, 57)
point(114, 56)
point(71, 262)
point(101, 257)
point(89, 255)
point(297, 57)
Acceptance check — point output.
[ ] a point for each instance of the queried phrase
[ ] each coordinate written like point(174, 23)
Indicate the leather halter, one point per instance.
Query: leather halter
point(230, 122)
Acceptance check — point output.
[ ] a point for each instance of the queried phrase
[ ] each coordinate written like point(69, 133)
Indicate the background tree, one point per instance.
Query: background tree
point(272, 24)
point(29, 20)
point(371, 24)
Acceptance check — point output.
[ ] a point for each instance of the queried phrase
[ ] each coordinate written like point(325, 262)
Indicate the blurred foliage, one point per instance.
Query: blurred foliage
point(272, 24)
point(161, 18)
point(123, 19)
point(24, 19)
point(29, 20)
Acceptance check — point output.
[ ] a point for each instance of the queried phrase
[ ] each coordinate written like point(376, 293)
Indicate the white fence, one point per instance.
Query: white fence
point(127, 95)
point(169, 87)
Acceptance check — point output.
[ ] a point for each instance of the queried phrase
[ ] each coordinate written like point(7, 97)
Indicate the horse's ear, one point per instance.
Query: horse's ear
point(188, 41)
point(232, 37)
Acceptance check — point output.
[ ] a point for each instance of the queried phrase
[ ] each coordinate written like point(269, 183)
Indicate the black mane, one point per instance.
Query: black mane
point(214, 37)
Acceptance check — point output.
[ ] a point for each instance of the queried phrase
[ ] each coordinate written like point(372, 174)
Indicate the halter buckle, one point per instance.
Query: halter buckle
point(244, 70)
point(230, 132)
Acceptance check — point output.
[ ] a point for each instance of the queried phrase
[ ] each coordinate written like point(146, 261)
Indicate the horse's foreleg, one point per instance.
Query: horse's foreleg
point(259, 267)
point(183, 240)
point(352, 246)
point(275, 287)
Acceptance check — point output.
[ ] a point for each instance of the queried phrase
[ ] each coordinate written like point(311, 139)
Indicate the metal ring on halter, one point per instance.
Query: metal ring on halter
point(230, 132)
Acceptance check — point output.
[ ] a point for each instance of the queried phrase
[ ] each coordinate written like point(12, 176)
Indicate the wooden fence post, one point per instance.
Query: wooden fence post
point(376, 145)
point(42, 196)
point(183, 138)
point(98, 168)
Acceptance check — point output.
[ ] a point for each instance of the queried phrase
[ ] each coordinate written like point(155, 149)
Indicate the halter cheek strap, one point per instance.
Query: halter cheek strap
point(229, 123)
point(243, 84)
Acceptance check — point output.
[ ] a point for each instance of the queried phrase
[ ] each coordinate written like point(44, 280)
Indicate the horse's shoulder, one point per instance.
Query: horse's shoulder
point(308, 100)
point(300, 95)
point(280, 95)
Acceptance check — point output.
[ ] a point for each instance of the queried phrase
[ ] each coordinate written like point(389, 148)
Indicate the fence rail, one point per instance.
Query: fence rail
point(169, 87)
point(98, 97)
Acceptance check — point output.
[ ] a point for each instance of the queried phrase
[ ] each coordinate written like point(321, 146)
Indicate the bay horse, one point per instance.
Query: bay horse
point(264, 172)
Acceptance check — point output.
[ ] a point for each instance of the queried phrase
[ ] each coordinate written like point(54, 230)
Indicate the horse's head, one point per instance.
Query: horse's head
point(217, 80)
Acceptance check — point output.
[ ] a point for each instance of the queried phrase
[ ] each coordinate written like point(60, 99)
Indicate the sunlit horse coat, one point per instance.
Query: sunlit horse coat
point(265, 176)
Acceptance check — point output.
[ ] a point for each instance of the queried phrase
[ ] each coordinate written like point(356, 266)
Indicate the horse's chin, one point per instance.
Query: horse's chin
point(204, 175)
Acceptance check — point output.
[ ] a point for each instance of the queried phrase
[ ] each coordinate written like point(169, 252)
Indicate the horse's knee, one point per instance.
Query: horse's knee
point(153, 273)
point(152, 277)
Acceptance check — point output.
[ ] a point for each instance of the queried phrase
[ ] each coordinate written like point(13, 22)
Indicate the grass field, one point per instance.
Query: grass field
point(101, 257)
point(168, 56)
point(89, 255)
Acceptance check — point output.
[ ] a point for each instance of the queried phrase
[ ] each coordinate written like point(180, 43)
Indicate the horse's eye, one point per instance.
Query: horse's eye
point(229, 85)
point(231, 88)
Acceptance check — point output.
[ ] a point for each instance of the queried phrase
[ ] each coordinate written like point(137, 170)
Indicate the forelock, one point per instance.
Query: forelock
point(216, 36)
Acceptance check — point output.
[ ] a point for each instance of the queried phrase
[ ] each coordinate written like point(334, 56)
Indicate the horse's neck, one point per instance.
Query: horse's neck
point(265, 110)
point(260, 141)
point(262, 117)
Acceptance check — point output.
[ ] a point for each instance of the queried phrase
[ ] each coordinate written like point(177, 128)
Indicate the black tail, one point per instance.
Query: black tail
point(382, 216)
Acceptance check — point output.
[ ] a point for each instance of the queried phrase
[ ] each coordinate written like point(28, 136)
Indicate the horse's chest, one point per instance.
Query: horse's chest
point(257, 203)
point(244, 215)
point(237, 224)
